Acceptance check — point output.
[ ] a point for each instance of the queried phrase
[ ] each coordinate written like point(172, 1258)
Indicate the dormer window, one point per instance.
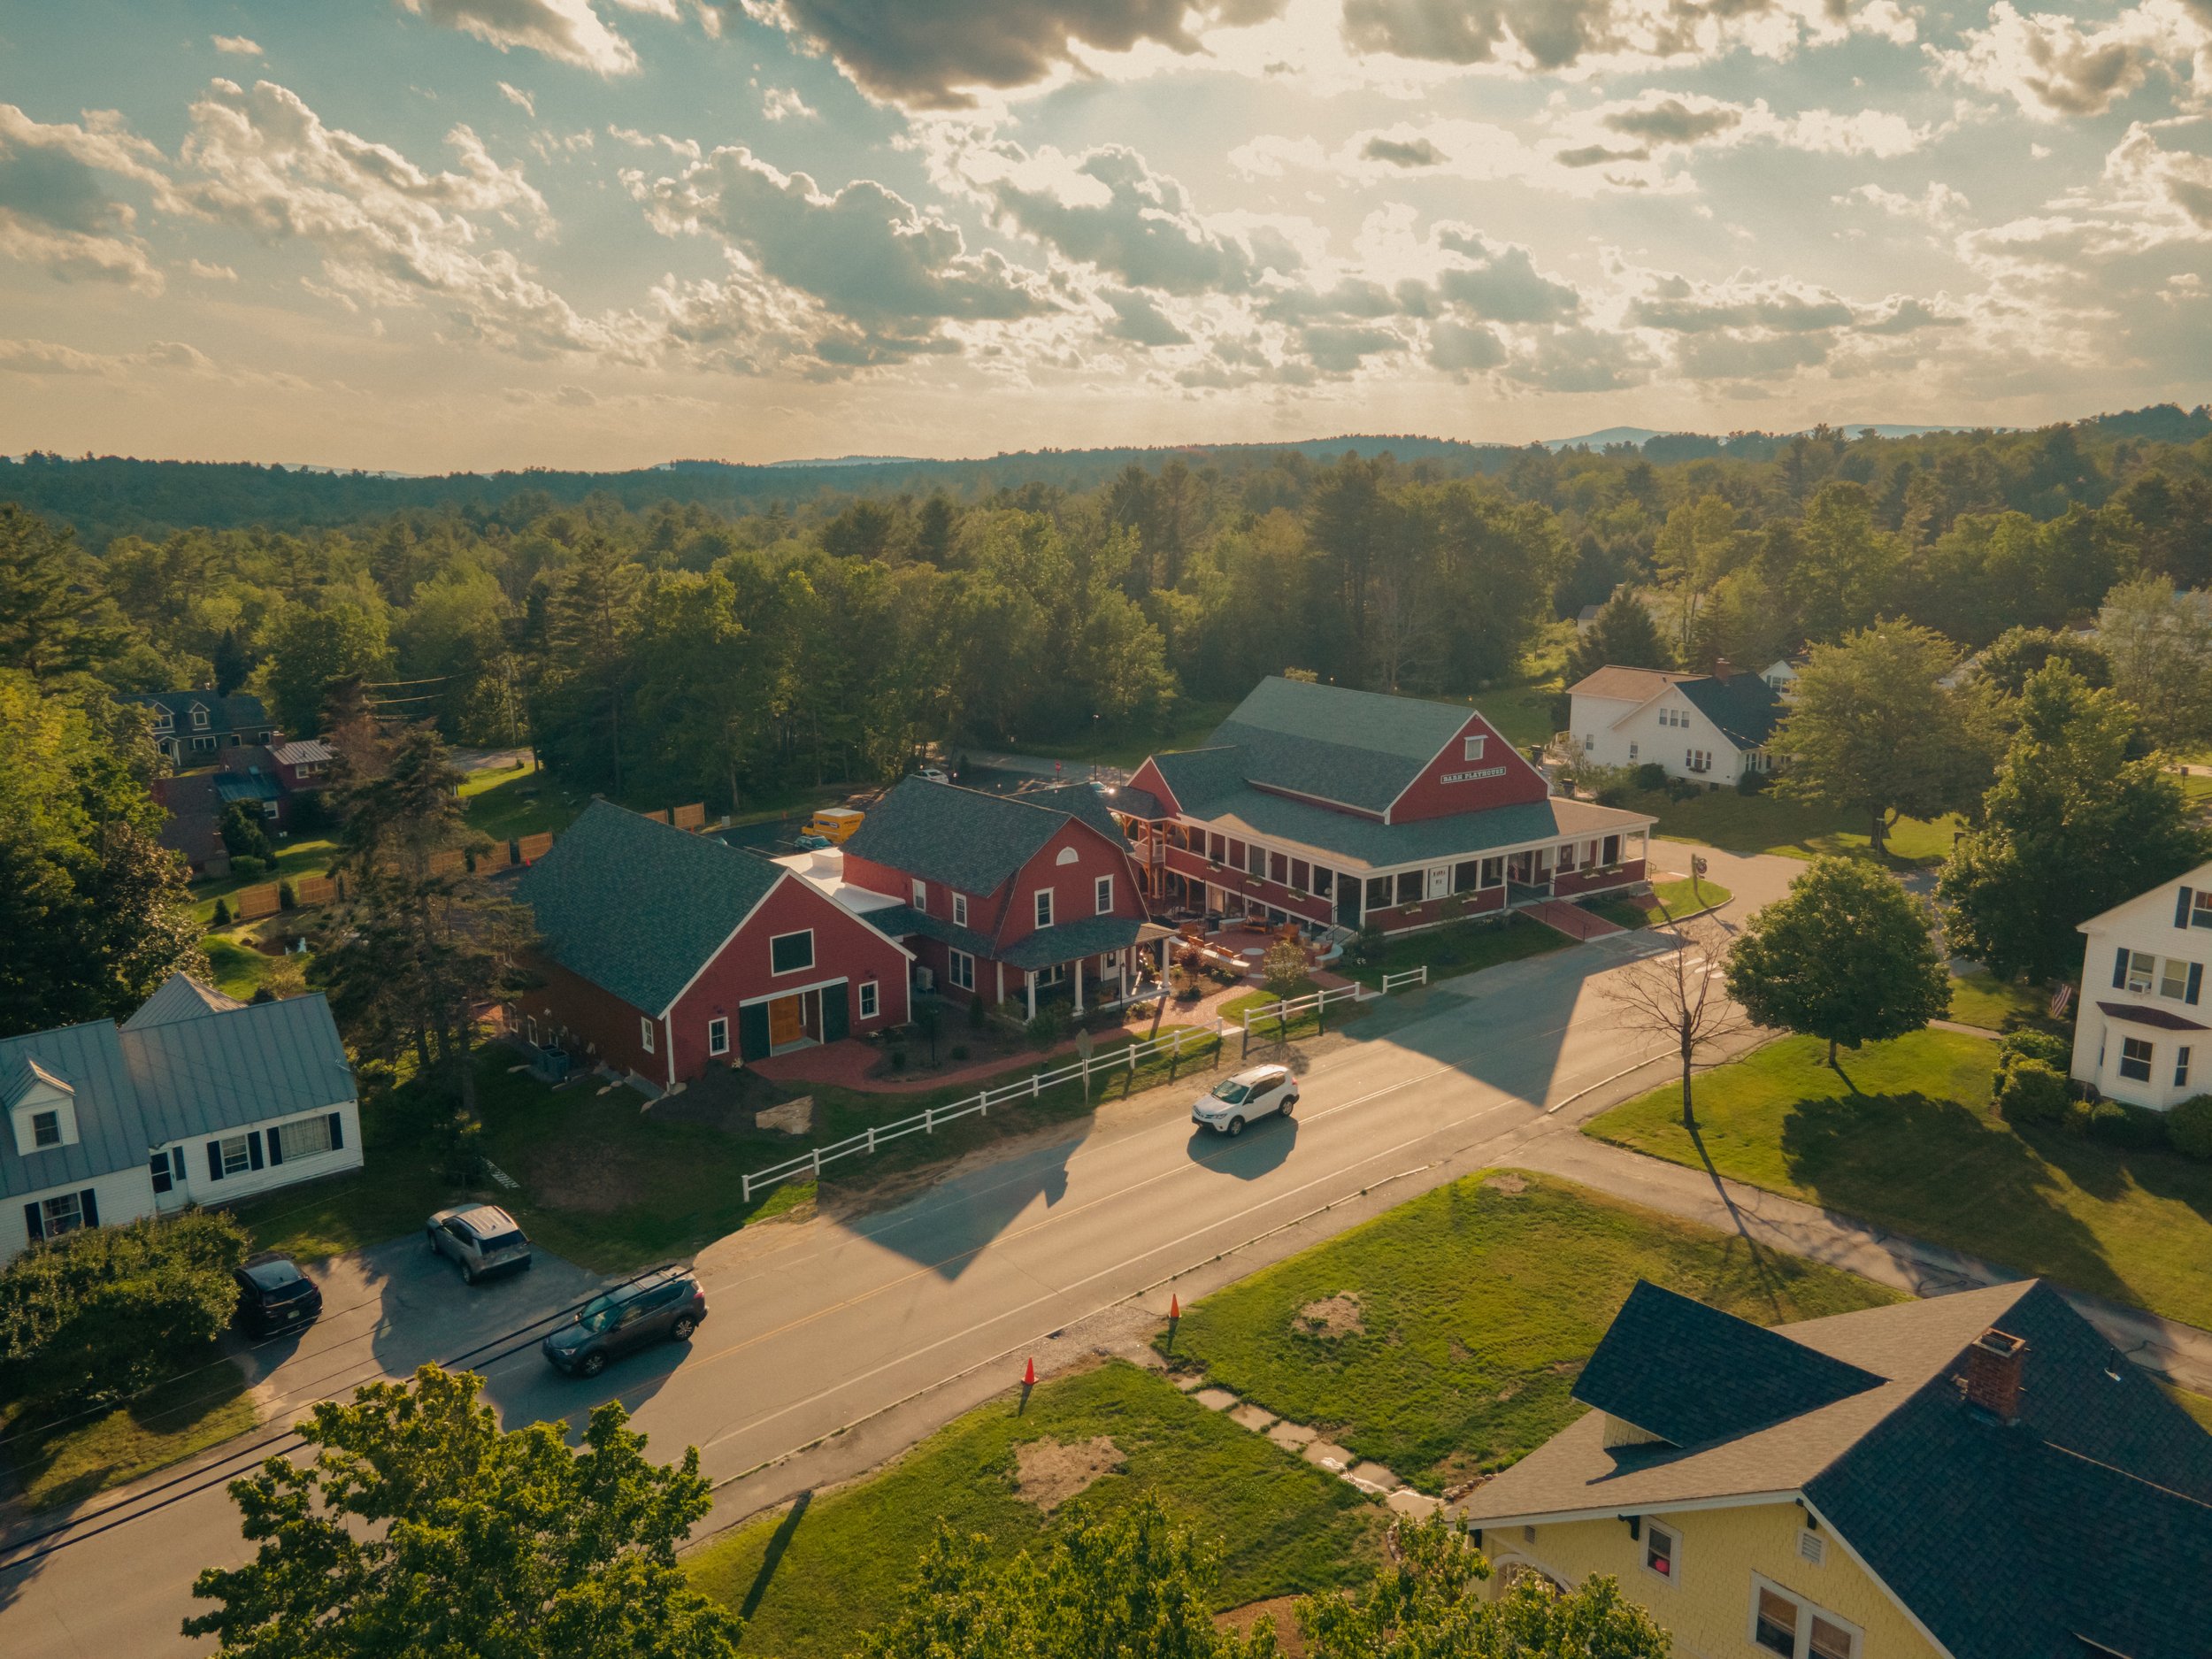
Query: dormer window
point(199, 717)
point(163, 721)
point(45, 1129)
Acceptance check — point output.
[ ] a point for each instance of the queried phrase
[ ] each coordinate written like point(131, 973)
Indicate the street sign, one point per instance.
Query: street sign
point(1697, 863)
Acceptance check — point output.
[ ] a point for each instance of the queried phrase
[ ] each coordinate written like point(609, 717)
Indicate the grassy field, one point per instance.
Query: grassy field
point(1767, 823)
point(310, 858)
point(1903, 1135)
point(520, 801)
point(1192, 723)
point(72, 1461)
point(1980, 998)
point(1521, 712)
point(813, 1581)
point(1473, 1307)
point(1462, 947)
point(240, 971)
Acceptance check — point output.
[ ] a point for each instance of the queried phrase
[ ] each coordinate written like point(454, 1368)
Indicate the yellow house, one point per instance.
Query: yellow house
point(1979, 1476)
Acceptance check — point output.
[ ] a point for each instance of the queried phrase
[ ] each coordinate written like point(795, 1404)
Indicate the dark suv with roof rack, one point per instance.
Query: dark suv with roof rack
point(274, 1295)
point(664, 1305)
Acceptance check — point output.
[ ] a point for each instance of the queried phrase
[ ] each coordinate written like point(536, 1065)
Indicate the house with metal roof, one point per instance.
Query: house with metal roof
point(195, 1099)
point(1975, 1476)
point(2143, 1029)
point(1711, 729)
point(662, 953)
point(1342, 808)
point(1004, 897)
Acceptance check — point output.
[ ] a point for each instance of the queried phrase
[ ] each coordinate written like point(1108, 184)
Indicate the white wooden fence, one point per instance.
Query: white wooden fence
point(1174, 1044)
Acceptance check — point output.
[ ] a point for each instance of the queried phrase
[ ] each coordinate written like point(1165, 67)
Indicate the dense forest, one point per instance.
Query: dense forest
point(724, 631)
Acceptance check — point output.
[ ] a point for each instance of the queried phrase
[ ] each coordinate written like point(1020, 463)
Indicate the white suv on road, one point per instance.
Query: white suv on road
point(1250, 1093)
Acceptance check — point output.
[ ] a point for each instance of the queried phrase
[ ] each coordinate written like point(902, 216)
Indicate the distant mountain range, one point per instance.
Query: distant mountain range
point(1641, 436)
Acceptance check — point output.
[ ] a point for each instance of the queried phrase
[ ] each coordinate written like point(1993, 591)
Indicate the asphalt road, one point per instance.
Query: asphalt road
point(889, 1323)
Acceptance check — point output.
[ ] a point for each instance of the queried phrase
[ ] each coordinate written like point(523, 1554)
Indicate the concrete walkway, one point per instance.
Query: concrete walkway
point(2180, 1353)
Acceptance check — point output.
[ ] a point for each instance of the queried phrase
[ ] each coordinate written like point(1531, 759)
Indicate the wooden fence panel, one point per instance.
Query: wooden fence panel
point(692, 817)
point(534, 847)
point(312, 890)
point(660, 816)
point(250, 903)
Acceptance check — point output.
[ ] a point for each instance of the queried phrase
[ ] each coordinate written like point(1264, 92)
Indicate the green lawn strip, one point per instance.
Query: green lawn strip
point(70, 1462)
point(1475, 1306)
point(1310, 1023)
point(1905, 1137)
point(1620, 912)
point(1769, 823)
point(1980, 998)
point(2197, 1405)
point(1686, 898)
point(1460, 948)
point(811, 1588)
point(240, 969)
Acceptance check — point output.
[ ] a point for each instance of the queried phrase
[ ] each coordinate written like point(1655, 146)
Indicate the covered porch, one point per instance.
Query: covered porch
point(1099, 962)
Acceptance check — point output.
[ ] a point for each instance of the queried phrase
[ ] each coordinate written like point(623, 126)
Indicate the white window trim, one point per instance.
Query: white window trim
point(921, 896)
point(959, 909)
point(1102, 906)
point(1674, 1552)
point(245, 1156)
point(718, 1035)
point(870, 1000)
point(1471, 747)
point(959, 968)
point(797, 933)
point(645, 1031)
point(1806, 1608)
point(51, 1228)
point(1040, 908)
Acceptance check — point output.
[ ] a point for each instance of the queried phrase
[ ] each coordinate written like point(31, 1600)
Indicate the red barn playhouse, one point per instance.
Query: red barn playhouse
point(662, 953)
point(1338, 808)
point(1003, 897)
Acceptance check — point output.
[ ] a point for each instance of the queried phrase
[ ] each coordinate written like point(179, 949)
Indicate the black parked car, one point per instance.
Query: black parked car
point(274, 1295)
point(664, 1305)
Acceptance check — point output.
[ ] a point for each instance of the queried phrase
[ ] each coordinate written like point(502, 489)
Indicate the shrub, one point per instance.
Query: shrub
point(976, 1013)
point(898, 1059)
point(222, 914)
point(243, 834)
point(2189, 1127)
point(1749, 782)
point(1683, 789)
point(461, 1158)
point(1651, 775)
point(2031, 1092)
point(286, 900)
point(958, 1051)
point(2136, 1128)
point(1048, 1028)
point(101, 1313)
point(2052, 1049)
point(247, 867)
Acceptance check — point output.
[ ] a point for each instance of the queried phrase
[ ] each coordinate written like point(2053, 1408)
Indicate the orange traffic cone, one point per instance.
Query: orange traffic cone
point(1174, 1306)
point(1029, 1374)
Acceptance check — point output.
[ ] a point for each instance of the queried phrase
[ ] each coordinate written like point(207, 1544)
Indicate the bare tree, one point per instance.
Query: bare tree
point(1681, 996)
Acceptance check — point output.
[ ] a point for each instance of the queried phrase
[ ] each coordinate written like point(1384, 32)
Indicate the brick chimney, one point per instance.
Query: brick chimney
point(1723, 668)
point(1992, 1373)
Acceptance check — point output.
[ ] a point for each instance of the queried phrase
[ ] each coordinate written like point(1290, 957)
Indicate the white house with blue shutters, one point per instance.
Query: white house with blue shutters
point(2143, 1033)
point(195, 1099)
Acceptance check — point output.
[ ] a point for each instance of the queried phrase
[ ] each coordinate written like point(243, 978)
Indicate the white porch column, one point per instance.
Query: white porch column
point(1000, 969)
point(1076, 969)
point(1029, 982)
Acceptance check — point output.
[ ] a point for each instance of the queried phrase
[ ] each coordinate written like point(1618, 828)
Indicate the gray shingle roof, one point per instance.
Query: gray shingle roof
point(1744, 706)
point(1088, 937)
point(636, 906)
point(180, 1076)
point(1978, 1527)
point(903, 921)
point(967, 839)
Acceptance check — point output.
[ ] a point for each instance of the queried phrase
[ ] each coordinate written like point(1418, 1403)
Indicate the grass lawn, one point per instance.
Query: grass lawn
point(613, 1187)
point(2197, 1405)
point(1306, 1024)
point(1980, 998)
point(1472, 1309)
point(1686, 897)
point(813, 1581)
point(1461, 947)
point(522, 801)
point(1904, 1136)
point(1521, 712)
point(240, 969)
point(310, 857)
point(183, 1417)
point(1767, 823)
point(1193, 722)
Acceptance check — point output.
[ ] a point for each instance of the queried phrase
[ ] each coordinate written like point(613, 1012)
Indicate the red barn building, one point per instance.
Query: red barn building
point(1005, 896)
point(662, 953)
point(1343, 808)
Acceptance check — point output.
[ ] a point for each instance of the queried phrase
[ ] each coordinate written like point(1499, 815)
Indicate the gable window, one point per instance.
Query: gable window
point(790, 952)
point(645, 1033)
point(1044, 907)
point(921, 896)
point(45, 1129)
point(960, 969)
point(867, 999)
point(1470, 749)
point(2135, 1058)
point(199, 719)
point(718, 1036)
point(162, 720)
point(1663, 1547)
point(960, 910)
point(1784, 1623)
point(1103, 894)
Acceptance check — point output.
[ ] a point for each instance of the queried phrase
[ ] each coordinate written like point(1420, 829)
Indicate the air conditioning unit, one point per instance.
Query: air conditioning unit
point(925, 978)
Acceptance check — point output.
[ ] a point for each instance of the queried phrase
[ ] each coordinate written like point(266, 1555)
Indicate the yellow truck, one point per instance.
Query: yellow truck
point(834, 823)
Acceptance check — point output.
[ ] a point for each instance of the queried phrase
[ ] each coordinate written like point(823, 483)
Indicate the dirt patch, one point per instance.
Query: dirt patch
point(1331, 1317)
point(1048, 1472)
point(724, 1099)
point(1282, 1610)
point(592, 1180)
point(1512, 1186)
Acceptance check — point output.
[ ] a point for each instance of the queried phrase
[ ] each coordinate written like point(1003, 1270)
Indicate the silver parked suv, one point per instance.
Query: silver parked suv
point(481, 1239)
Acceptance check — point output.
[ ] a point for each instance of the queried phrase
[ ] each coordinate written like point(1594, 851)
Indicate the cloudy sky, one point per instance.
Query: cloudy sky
point(430, 233)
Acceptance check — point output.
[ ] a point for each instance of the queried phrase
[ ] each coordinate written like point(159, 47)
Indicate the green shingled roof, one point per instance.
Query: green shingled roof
point(1359, 747)
point(637, 907)
point(969, 840)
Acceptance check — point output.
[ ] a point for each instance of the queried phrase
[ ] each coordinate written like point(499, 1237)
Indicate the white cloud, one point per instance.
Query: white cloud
point(236, 45)
point(521, 100)
point(47, 356)
point(781, 103)
point(207, 273)
point(1938, 204)
point(567, 31)
point(1544, 36)
point(58, 209)
point(2053, 67)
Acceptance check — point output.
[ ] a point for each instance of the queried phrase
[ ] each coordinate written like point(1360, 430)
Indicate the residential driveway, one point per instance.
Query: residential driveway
point(1754, 878)
point(397, 1306)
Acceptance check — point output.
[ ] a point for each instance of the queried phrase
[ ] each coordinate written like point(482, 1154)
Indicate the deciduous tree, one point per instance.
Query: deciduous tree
point(421, 1528)
point(1678, 997)
point(1846, 955)
point(2159, 642)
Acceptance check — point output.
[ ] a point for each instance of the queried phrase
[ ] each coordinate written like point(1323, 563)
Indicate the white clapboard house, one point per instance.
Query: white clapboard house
point(2143, 1034)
